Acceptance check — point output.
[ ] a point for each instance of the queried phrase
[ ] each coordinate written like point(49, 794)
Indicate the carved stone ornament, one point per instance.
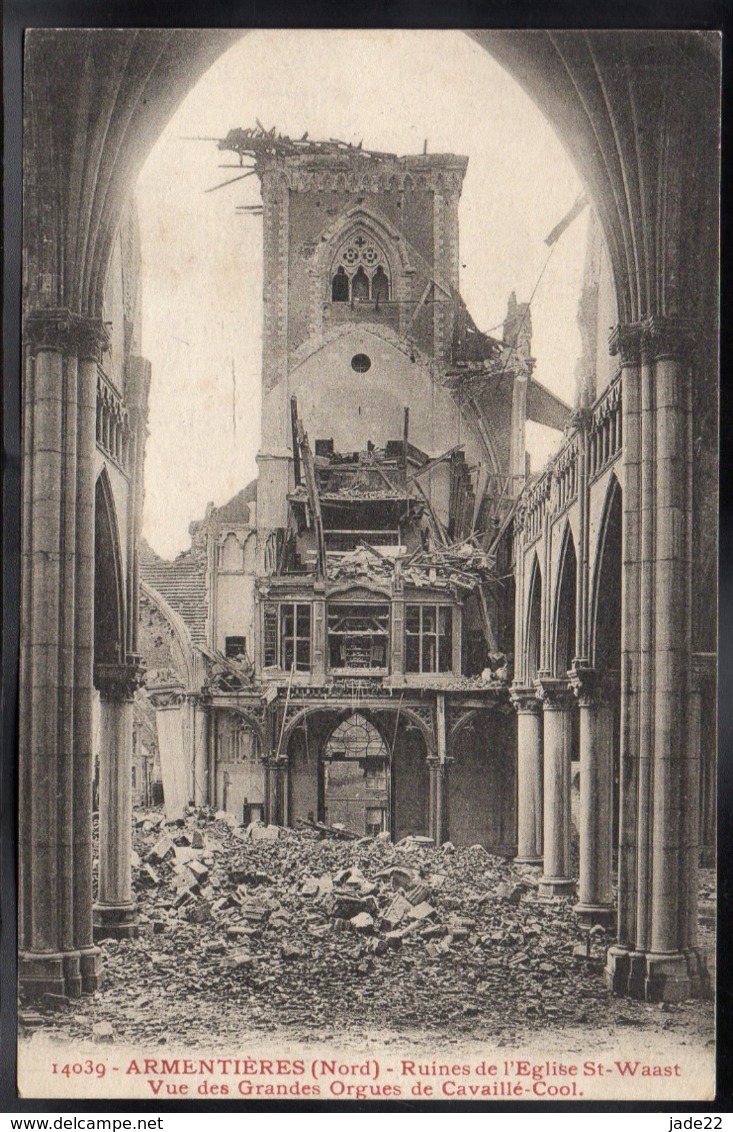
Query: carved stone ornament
point(117, 681)
point(554, 694)
point(170, 694)
point(586, 684)
point(61, 330)
point(653, 338)
point(625, 342)
point(667, 337)
point(524, 699)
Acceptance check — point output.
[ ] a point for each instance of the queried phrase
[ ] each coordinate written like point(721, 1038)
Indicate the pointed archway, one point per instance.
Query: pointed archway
point(109, 601)
point(606, 629)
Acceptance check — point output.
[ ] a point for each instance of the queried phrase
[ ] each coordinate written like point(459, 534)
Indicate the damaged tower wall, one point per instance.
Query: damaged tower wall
point(359, 586)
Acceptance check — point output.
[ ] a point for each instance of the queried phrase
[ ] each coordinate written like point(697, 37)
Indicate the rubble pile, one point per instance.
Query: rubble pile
point(462, 566)
point(263, 927)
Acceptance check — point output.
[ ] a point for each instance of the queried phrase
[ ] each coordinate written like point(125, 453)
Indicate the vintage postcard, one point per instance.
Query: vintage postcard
point(368, 659)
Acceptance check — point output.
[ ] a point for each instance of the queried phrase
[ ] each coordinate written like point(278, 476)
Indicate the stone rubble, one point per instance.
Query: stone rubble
point(299, 930)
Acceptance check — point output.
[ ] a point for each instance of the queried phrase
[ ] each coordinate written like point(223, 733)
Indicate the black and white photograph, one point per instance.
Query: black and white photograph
point(368, 592)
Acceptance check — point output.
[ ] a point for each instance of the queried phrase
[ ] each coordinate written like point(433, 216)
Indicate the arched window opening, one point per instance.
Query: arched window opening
point(356, 777)
point(534, 635)
point(360, 271)
point(360, 286)
point(607, 612)
point(108, 592)
point(606, 626)
point(340, 286)
point(380, 285)
point(565, 623)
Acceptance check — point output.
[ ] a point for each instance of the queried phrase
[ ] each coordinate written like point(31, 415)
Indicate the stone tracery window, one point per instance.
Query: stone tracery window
point(360, 271)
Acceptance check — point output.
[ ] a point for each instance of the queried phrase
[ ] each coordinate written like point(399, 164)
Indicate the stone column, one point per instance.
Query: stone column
point(595, 892)
point(625, 341)
point(703, 706)
point(442, 753)
point(557, 706)
point(691, 790)
point(276, 784)
point(646, 619)
point(319, 635)
point(674, 809)
point(169, 700)
point(433, 773)
point(114, 910)
point(282, 785)
point(518, 447)
point(199, 728)
point(529, 775)
point(56, 948)
point(92, 341)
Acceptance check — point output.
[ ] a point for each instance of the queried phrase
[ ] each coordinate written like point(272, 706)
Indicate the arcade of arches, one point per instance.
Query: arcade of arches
point(614, 648)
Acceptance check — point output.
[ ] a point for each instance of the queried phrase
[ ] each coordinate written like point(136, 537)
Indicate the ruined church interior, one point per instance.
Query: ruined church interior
point(401, 630)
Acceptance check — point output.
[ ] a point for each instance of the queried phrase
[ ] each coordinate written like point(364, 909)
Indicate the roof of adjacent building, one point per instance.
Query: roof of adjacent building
point(182, 583)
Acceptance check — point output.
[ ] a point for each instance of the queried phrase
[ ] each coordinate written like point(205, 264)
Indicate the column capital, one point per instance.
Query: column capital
point(585, 683)
point(592, 687)
point(625, 341)
point(118, 682)
point(554, 694)
point(524, 699)
point(658, 336)
point(666, 337)
point(580, 421)
point(60, 329)
point(164, 696)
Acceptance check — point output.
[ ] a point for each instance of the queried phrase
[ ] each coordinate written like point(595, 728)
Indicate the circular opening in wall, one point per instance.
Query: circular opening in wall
point(361, 363)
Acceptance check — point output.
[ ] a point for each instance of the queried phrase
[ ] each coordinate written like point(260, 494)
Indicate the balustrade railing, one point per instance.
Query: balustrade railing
point(565, 474)
point(537, 497)
point(605, 439)
point(557, 486)
point(113, 430)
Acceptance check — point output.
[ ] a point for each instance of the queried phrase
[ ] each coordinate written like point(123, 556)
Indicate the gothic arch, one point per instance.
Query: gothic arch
point(180, 635)
point(369, 220)
point(533, 634)
point(109, 599)
point(564, 611)
point(572, 76)
point(374, 737)
point(254, 725)
point(466, 718)
point(605, 612)
point(292, 724)
point(319, 339)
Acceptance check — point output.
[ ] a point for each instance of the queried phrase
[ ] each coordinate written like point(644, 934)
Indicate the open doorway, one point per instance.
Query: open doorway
point(356, 786)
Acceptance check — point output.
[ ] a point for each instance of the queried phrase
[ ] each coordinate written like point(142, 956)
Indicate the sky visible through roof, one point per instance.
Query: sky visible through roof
point(202, 261)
